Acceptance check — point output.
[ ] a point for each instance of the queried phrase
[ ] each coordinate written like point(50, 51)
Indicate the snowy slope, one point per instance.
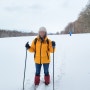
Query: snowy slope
point(72, 63)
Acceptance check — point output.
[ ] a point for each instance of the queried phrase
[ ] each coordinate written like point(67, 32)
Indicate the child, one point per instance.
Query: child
point(42, 47)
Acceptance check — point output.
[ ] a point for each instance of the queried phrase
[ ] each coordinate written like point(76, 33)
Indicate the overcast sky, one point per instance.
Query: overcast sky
point(26, 15)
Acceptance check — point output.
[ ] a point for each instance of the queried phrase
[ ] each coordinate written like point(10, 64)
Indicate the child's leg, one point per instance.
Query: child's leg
point(46, 69)
point(46, 72)
point(38, 69)
point(37, 75)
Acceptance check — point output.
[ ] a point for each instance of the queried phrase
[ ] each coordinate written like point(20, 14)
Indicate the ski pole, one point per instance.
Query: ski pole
point(25, 69)
point(53, 68)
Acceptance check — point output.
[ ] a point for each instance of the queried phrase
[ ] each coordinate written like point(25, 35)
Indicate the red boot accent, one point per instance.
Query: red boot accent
point(37, 80)
point(47, 79)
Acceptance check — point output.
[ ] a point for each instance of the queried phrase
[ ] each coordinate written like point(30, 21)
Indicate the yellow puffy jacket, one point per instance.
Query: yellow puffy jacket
point(41, 50)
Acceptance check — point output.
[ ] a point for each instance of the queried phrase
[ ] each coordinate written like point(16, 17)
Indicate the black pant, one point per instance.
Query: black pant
point(38, 69)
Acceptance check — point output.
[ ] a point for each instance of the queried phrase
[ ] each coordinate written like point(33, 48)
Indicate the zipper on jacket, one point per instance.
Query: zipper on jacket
point(40, 51)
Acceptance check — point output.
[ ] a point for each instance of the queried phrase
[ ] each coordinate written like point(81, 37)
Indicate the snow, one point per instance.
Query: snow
point(72, 63)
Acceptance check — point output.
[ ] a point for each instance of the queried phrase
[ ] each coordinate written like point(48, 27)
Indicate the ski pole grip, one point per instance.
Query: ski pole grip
point(53, 44)
point(27, 46)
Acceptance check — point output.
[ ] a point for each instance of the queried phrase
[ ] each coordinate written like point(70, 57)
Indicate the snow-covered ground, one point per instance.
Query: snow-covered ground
point(72, 63)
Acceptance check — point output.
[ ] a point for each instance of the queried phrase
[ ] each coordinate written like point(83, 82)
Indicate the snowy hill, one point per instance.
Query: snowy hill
point(72, 63)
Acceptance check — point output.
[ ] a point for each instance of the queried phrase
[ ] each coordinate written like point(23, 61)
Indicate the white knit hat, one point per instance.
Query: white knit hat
point(43, 29)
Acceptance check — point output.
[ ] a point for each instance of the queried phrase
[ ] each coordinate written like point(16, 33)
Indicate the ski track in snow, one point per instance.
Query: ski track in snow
point(72, 63)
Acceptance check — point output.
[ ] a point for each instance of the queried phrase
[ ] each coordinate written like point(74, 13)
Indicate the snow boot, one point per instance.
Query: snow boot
point(37, 80)
point(47, 79)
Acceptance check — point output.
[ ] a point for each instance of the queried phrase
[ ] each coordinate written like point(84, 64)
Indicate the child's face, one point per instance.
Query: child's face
point(42, 34)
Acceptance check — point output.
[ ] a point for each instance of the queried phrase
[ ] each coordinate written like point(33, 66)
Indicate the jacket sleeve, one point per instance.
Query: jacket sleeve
point(50, 47)
point(32, 48)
